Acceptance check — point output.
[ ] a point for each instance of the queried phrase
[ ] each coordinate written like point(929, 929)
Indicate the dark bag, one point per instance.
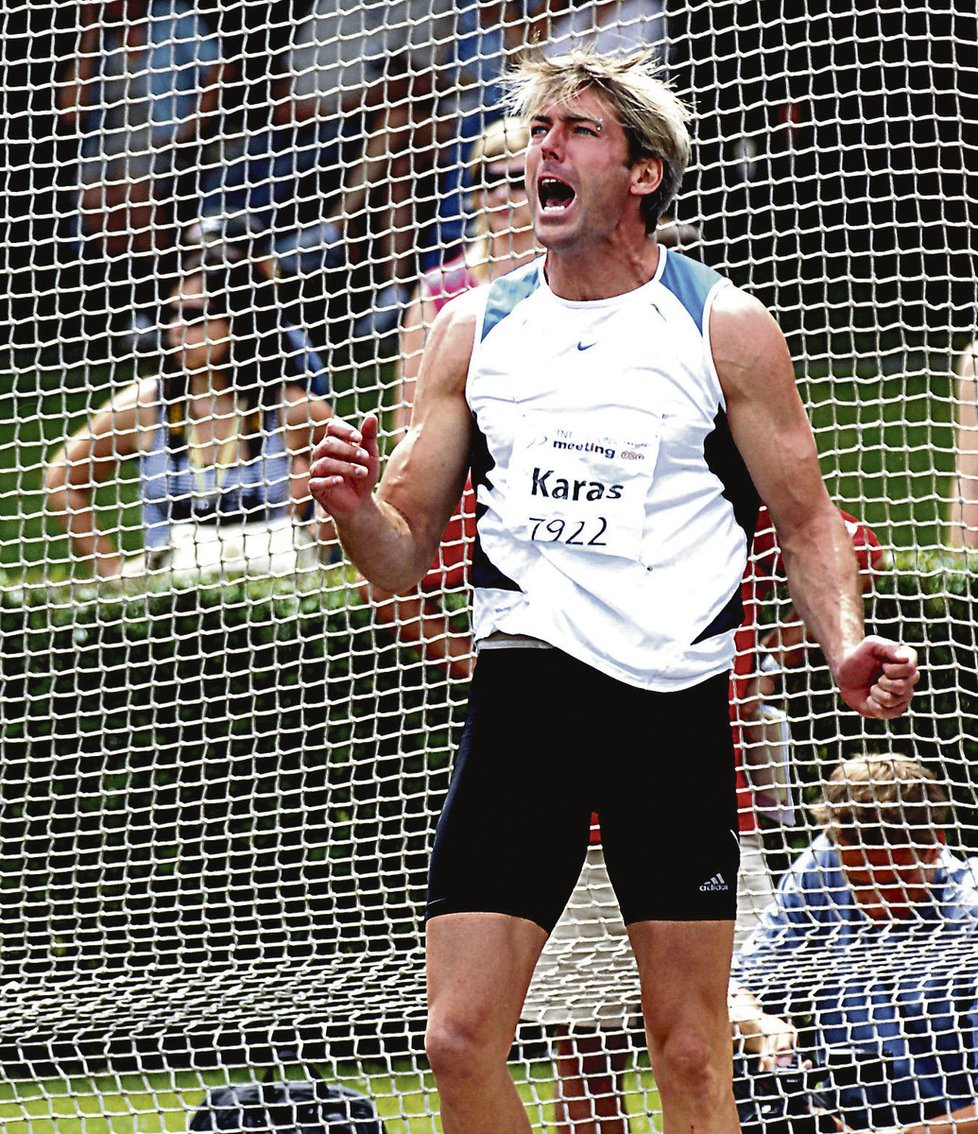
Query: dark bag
point(287, 1106)
point(782, 1102)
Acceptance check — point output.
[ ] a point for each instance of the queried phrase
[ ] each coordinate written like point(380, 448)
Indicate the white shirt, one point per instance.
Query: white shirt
point(601, 460)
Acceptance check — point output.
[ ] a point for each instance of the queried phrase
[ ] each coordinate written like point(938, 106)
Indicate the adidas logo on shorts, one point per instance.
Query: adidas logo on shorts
point(715, 883)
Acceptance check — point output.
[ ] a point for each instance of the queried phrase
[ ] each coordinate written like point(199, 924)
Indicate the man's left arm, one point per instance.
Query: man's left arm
point(771, 430)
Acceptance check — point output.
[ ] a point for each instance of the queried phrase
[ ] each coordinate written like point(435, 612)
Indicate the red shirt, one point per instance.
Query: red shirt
point(763, 573)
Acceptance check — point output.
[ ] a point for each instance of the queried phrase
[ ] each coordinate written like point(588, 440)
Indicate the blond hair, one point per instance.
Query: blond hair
point(886, 800)
point(653, 117)
point(503, 139)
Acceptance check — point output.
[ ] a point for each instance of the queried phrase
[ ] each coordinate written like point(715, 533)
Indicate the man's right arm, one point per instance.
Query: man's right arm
point(392, 534)
point(772, 432)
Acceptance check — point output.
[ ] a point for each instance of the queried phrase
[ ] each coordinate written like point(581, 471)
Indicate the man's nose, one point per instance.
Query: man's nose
point(552, 142)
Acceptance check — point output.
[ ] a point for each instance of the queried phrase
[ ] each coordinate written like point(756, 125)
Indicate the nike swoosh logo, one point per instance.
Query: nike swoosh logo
point(585, 346)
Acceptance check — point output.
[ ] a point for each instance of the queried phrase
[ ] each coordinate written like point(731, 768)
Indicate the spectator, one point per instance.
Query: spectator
point(282, 178)
point(377, 72)
point(488, 32)
point(221, 436)
point(872, 936)
point(504, 240)
point(212, 241)
point(404, 81)
point(963, 530)
point(592, 1045)
point(138, 94)
point(609, 25)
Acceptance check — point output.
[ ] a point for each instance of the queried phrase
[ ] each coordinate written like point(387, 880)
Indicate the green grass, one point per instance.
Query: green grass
point(887, 451)
point(884, 429)
point(163, 1102)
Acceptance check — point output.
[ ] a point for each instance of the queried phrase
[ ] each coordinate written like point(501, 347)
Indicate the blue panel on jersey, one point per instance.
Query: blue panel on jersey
point(690, 282)
point(507, 292)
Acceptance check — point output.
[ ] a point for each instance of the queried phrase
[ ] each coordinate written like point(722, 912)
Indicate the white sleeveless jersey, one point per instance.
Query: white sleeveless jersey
point(614, 514)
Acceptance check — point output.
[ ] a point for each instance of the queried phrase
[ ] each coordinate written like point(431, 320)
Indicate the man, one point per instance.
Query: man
point(615, 403)
point(872, 935)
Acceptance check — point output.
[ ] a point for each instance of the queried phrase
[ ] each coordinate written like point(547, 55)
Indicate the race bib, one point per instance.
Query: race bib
point(576, 485)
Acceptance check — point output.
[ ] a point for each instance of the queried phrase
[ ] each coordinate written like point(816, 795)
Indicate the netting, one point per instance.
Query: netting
point(223, 758)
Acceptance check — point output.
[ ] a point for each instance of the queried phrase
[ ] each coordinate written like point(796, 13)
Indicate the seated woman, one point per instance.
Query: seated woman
point(221, 435)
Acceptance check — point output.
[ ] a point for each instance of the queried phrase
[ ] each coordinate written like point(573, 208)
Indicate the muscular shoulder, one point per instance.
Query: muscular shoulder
point(742, 330)
point(748, 346)
point(450, 343)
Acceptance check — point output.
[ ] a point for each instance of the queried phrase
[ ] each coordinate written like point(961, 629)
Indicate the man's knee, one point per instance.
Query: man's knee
point(692, 1064)
point(460, 1049)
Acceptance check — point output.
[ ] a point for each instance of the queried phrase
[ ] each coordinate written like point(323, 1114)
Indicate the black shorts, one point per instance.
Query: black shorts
point(548, 740)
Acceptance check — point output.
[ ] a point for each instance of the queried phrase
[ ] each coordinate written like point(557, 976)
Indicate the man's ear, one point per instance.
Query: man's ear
point(647, 174)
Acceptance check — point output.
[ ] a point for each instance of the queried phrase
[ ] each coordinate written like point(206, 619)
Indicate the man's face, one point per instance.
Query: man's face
point(887, 882)
point(578, 176)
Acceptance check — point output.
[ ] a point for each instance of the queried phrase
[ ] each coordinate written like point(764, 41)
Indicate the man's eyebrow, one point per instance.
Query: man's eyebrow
point(571, 119)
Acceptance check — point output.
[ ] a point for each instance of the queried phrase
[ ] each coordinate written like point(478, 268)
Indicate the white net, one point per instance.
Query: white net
point(222, 758)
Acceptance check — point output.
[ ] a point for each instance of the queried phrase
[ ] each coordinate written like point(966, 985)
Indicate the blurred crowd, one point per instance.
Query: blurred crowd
point(347, 155)
point(348, 177)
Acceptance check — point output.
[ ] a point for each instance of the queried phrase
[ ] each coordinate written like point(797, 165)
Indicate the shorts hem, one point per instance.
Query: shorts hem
point(443, 907)
point(658, 915)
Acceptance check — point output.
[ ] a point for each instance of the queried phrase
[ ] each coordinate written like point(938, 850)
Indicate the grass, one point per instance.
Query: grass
point(885, 432)
point(163, 1102)
point(883, 425)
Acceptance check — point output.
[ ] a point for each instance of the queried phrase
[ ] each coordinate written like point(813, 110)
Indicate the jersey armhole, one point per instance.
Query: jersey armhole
point(480, 323)
point(708, 341)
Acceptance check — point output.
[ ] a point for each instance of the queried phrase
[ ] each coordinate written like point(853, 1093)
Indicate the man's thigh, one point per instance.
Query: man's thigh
point(514, 830)
point(684, 969)
point(668, 809)
point(479, 966)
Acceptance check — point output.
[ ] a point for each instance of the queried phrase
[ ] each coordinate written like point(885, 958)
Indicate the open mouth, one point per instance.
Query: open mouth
point(555, 196)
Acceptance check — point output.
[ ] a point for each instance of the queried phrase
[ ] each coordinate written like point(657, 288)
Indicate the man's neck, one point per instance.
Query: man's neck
point(591, 274)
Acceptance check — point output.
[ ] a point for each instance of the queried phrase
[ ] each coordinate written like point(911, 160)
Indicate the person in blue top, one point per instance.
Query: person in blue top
point(872, 936)
point(139, 93)
point(222, 435)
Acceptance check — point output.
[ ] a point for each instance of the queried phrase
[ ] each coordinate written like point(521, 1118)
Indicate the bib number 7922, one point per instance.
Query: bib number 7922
point(575, 533)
